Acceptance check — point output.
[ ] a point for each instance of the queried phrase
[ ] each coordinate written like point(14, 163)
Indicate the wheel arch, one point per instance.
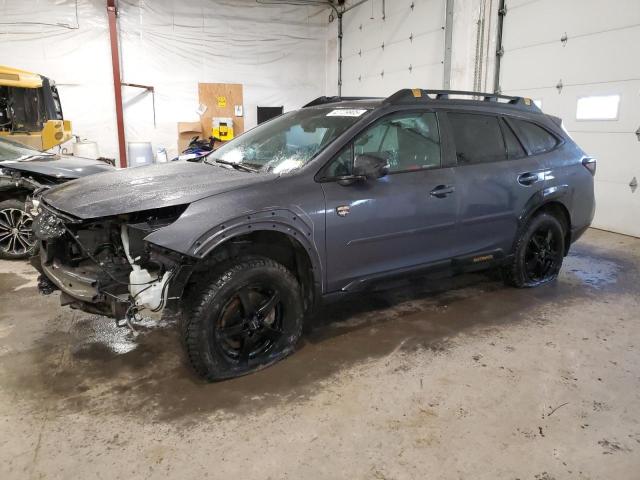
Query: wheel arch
point(282, 235)
point(545, 202)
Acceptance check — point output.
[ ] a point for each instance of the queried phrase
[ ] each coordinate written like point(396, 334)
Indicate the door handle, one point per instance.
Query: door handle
point(442, 191)
point(528, 178)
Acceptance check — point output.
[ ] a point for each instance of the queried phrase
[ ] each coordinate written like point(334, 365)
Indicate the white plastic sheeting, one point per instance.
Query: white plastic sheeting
point(277, 52)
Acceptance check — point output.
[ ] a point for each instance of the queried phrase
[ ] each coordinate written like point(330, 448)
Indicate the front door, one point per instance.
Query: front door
point(402, 220)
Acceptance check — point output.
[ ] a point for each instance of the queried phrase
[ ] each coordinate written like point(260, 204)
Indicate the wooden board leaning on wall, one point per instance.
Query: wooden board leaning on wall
point(220, 100)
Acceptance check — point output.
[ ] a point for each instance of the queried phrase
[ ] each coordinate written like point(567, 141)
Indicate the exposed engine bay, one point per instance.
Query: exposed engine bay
point(105, 266)
point(12, 179)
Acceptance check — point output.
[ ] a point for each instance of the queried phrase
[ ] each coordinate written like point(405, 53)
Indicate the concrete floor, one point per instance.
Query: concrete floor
point(466, 379)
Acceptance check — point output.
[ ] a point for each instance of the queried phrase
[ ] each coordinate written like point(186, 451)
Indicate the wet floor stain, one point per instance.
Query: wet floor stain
point(593, 271)
point(85, 363)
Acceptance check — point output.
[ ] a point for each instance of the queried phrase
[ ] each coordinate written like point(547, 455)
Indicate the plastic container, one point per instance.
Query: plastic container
point(161, 155)
point(139, 154)
point(86, 149)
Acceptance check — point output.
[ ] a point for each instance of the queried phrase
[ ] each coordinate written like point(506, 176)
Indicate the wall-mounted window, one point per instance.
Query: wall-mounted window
point(598, 107)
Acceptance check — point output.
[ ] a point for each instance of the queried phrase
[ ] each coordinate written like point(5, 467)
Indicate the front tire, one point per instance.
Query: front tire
point(244, 316)
point(538, 254)
point(16, 236)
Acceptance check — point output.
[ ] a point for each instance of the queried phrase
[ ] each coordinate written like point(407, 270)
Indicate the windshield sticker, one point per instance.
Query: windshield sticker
point(346, 112)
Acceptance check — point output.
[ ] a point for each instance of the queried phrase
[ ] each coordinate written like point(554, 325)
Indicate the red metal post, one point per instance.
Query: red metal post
point(117, 84)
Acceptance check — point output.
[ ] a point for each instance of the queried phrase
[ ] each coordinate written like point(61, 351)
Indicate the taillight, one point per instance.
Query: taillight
point(590, 164)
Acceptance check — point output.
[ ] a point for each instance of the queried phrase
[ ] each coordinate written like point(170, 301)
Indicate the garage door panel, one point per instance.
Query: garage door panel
point(618, 155)
point(601, 57)
point(617, 209)
point(350, 71)
point(628, 111)
point(377, 85)
point(528, 23)
point(611, 54)
point(372, 65)
point(427, 49)
point(425, 76)
point(546, 65)
point(514, 65)
point(370, 87)
point(426, 16)
point(364, 59)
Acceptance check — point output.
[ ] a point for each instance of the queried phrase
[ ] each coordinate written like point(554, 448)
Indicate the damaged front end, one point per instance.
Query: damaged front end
point(105, 266)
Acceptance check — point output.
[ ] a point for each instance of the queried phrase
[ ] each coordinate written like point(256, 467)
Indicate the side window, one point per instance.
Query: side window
point(408, 141)
point(478, 138)
point(535, 138)
point(514, 148)
point(341, 165)
point(372, 140)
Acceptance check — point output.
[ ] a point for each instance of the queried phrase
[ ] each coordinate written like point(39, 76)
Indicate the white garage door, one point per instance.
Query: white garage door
point(404, 49)
point(581, 59)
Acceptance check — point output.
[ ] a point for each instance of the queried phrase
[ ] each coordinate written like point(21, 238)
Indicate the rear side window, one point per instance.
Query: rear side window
point(535, 138)
point(514, 148)
point(478, 138)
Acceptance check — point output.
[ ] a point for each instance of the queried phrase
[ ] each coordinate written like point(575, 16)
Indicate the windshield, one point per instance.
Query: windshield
point(15, 151)
point(288, 142)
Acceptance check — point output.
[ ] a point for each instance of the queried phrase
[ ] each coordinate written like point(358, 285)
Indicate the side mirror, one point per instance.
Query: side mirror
point(365, 167)
point(370, 167)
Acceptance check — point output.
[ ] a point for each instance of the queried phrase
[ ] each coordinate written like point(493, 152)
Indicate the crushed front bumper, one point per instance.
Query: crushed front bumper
point(75, 283)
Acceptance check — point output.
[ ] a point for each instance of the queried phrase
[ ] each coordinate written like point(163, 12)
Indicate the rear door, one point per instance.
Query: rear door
point(495, 177)
point(396, 222)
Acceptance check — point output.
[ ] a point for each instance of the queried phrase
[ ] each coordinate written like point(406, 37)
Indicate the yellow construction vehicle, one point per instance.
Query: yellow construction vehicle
point(30, 110)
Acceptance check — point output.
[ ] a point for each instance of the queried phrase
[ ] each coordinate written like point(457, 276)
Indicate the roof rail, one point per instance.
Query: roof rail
point(413, 95)
point(323, 100)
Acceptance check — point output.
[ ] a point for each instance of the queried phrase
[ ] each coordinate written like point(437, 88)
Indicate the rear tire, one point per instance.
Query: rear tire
point(538, 254)
point(16, 236)
point(240, 318)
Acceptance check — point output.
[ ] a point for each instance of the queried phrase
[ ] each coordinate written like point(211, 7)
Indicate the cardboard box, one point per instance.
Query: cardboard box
point(186, 131)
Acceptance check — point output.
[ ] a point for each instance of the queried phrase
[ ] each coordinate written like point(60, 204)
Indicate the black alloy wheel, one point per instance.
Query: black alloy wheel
point(542, 254)
point(538, 254)
point(250, 323)
point(242, 316)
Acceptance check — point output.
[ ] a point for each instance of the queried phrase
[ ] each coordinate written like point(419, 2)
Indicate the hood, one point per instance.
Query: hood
point(58, 166)
point(145, 188)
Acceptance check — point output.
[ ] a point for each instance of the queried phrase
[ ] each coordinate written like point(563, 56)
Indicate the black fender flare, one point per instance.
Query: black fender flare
point(562, 194)
point(296, 225)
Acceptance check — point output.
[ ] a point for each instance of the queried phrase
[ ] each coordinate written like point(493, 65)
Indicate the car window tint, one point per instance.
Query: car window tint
point(514, 148)
point(408, 141)
point(478, 138)
point(372, 139)
point(342, 165)
point(536, 138)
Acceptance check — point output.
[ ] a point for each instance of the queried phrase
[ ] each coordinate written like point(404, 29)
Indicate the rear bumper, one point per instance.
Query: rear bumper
point(576, 233)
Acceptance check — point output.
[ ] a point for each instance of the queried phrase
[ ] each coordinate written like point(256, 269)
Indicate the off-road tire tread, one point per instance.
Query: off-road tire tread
point(193, 312)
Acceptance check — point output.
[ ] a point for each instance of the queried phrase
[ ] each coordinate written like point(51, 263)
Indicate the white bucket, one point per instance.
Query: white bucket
point(86, 149)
